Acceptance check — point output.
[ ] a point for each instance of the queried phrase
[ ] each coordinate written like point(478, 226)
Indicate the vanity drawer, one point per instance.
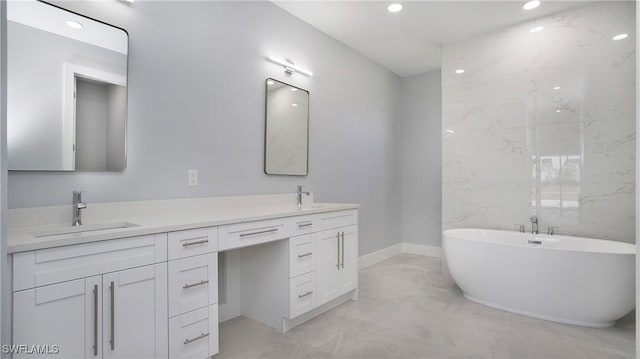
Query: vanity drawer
point(336, 219)
point(250, 233)
point(192, 242)
point(194, 334)
point(295, 226)
point(302, 292)
point(59, 264)
point(302, 255)
point(193, 283)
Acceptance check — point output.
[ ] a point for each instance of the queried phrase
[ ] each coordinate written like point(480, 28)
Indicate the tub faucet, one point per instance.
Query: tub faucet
point(299, 196)
point(534, 224)
point(77, 206)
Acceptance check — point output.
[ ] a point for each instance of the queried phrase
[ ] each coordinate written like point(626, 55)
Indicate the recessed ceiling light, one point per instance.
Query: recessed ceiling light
point(557, 88)
point(460, 71)
point(537, 29)
point(294, 104)
point(451, 131)
point(529, 5)
point(269, 82)
point(558, 110)
point(74, 24)
point(620, 36)
point(395, 7)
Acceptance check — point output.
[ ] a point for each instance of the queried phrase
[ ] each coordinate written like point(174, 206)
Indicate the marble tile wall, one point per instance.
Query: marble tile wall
point(543, 123)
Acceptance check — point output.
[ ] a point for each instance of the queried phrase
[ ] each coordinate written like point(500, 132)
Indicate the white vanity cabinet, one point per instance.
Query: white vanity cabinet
point(119, 313)
point(156, 295)
point(193, 293)
point(133, 306)
point(336, 266)
point(65, 314)
point(337, 263)
point(285, 283)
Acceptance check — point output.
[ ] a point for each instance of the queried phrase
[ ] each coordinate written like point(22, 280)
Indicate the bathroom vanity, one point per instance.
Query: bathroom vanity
point(150, 289)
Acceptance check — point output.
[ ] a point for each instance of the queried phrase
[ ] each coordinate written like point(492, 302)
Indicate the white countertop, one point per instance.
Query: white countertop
point(21, 239)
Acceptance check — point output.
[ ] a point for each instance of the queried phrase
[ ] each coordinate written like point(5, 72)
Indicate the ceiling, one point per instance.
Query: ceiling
point(52, 19)
point(409, 42)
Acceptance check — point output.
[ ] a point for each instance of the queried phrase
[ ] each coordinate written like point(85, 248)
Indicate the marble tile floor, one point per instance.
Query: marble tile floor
point(408, 309)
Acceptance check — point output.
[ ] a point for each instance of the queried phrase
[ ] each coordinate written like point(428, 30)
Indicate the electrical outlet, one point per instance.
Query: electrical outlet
point(192, 177)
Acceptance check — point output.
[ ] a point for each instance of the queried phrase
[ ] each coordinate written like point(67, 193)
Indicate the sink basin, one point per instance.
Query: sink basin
point(81, 229)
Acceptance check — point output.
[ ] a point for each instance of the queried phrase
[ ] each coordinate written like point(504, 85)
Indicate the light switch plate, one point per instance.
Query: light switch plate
point(192, 177)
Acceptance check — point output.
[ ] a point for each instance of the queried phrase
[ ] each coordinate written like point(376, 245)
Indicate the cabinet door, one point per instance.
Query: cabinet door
point(67, 315)
point(348, 273)
point(134, 309)
point(327, 264)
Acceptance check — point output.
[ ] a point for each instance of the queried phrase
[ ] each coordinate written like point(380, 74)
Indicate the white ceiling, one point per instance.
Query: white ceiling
point(49, 18)
point(409, 42)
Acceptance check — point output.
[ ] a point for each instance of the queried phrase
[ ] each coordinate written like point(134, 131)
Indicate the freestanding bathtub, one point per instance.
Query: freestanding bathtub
point(582, 281)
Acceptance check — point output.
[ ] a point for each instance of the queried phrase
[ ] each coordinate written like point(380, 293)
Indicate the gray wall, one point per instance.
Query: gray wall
point(196, 101)
point(419, 159)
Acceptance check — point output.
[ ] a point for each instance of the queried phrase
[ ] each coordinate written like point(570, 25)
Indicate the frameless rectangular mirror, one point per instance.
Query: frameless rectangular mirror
point(66, 90)
point(286, 144)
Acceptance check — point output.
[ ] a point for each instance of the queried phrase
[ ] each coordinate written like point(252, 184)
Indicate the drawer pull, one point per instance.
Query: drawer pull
point(259, 232)
point(203, 335)
point(305, 294)
point(338, 257)
point(187, 244)
point(187, 286)
point(305, 255)
point(113, 316)
point(300, 225)
point(342, 250)
point(95, 320)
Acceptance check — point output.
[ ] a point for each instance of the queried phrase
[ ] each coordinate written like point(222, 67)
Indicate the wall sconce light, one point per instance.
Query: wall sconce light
point(289, 66)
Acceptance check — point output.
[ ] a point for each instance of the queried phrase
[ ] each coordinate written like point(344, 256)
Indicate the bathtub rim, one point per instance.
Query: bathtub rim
point(630, 249)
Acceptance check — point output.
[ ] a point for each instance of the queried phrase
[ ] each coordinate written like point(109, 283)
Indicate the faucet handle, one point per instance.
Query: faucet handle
point(533, 219)
point(550, 230)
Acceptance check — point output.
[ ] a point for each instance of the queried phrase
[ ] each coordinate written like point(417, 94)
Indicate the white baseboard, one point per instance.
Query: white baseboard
point(378, 256)
point(421, 249)
point(411, 248)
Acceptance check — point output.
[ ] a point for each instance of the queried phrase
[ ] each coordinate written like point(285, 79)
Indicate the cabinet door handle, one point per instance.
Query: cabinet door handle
point(305, 294)
point(113, 316)
point(187, 286)
point(95, 320)
point(338, 259)
point(187, 244)
point(305, 255)
point(259, 232)
point(342, 249)
point(203, 335)
point(300, 225)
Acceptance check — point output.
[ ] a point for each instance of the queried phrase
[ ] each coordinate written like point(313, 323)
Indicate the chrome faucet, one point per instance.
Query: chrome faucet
point(534, 224)
point(299, 197)
point(77, 206)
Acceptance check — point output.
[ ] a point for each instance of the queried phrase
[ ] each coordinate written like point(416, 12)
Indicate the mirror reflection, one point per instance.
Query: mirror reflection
point(67, 90)
point(287, 129)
